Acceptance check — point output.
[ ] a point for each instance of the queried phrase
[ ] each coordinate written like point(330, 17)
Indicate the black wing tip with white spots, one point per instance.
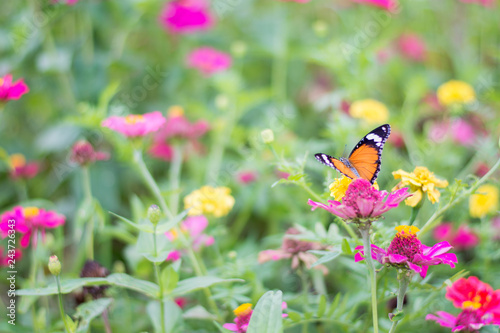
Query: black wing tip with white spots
point(324, 159)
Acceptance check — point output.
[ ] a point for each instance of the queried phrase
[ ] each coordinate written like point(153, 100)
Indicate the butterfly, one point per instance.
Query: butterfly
point(364, 160)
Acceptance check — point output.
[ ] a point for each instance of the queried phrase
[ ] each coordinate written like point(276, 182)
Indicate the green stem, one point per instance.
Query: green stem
point(90, 223)
point(61, 307)
point(150, 182)
point(160, 283)
point(153, 187)
point(174, 178)
point(367, 248)
point(22, 191)
point(454, 200)
point(304, 283)
point(404, 281)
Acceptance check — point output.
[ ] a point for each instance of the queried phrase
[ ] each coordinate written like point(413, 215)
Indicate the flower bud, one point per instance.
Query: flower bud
point(54, 265)
point(267, 136)
point(154, 214)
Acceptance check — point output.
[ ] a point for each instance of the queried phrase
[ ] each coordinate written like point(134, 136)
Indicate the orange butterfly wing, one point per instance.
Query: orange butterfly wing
point(366, 160)
point(341, 167)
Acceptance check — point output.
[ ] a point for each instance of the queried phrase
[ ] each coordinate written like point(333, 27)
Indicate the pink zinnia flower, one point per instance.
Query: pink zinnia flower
point(186, 16)
point(192, 227)
point(294, 249)
point(462, 132)
point(472, 293)
point(20, 169)
point(389, 5)
point(83, 153)
point(246, 177)
point(208, 60)
point(12, 91)
point(28, 221)
point(468, 320)
point(462, 239)
point(181, 302)
point(177, 129)
point(412, 47)
point(9, 258)
point(363, 202)
point(484, 3)
point(135, 125)
point(407, 252)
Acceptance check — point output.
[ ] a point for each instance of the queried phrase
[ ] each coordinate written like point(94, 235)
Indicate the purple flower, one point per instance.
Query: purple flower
point(406, 251)
point(363, 202)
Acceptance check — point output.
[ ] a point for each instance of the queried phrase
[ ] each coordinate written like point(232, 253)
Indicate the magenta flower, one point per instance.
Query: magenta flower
point(83, 153)
point(246, 177)
point(462, 239)
point(462, 132)
point(363, 202)
point(388, 5)
point(192, 227)
point(28, 221)
point(10, 257)
point(484, 3)
point(412, 47)
point(294, 249)
point(186, 16)
point(177, 129)
point(467, 321)
point(208, 60)
point(20, 169)
point(11, 91)
point(135, 125)
point(407, 252)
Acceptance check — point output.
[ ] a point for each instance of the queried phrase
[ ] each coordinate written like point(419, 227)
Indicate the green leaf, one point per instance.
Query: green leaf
point(118, 279)
point(124, 280)
point(146, 227)
point(169, 278)
point(87, 311)
point(165, 225)
point(327, 256)
point(189, 285)
point(72, 325)
point(346, 248)
point(489, 329)
point(396, 316)
point(267, 315)
point(321, 306)
point(173, 314)
point(67, 286)
point(294, 316)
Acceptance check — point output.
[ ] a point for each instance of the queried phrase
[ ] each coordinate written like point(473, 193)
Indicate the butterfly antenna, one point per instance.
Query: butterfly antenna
point(345, 151)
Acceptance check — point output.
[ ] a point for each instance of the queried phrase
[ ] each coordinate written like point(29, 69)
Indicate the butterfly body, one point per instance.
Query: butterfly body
point(365, 159)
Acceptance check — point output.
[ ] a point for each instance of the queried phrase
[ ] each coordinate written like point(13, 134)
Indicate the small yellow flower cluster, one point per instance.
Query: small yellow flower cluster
point(370, 110)
point(484, 201)
point(455, 92)
point(208, 200)
point(420, 180)
point(340, 185)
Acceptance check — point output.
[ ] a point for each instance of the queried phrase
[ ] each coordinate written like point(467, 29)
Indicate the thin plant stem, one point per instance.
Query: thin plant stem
point(404, 281)
point(160, 283)
point(90, 223)
point(365, 234)
point(61, 307)
point(174, 178)
point(454, 200)
point(22, 190)
point(150, 182)
point(155, 190)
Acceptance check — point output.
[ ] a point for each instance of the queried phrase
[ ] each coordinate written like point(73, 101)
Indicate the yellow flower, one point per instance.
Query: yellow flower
point(216, 201)
point(370, 110)
point(484, 201)
point(420, 180)
point(340, 185)
point(17, 161)
point(243, 310)
point(455, 92)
